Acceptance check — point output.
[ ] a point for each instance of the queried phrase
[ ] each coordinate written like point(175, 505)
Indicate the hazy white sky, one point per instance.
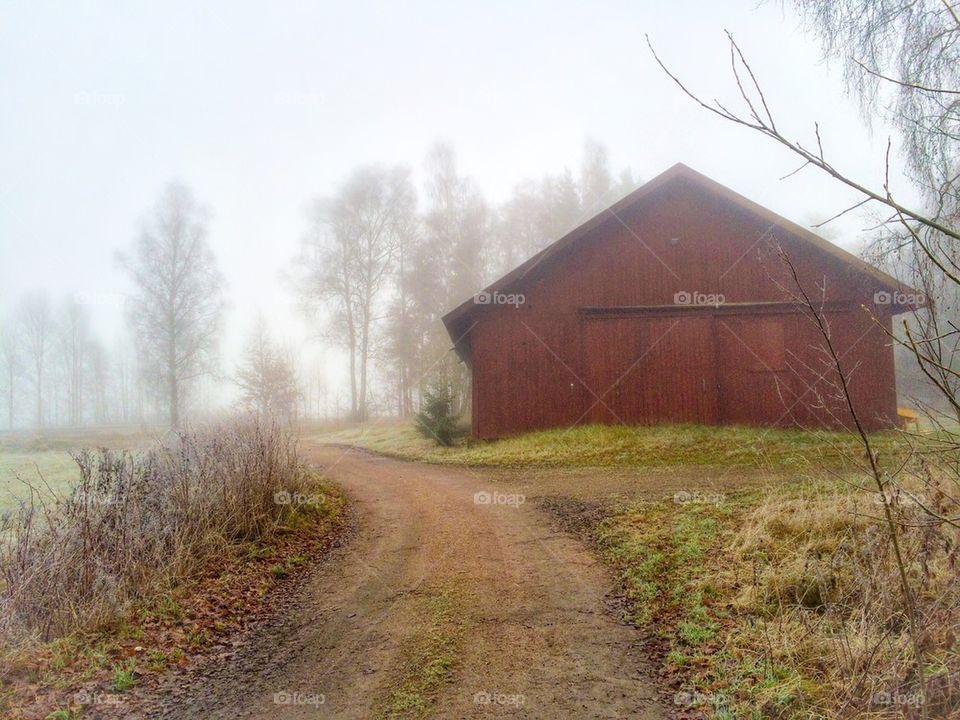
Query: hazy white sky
point(261, 106)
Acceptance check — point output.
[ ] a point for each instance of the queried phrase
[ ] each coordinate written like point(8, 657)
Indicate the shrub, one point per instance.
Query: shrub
point(137, 524)
point(436, 419)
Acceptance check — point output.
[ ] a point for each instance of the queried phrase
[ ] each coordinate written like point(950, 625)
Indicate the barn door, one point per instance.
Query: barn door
point(645, 370)
point(750, 354)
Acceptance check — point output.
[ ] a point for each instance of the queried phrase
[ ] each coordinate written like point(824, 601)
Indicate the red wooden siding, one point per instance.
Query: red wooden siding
point(600, 337)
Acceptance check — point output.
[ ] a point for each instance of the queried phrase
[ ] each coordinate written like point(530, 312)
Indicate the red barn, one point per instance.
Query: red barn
point(678, 304)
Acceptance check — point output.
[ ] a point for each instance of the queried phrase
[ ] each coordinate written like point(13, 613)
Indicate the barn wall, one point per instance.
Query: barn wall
point(545, 363)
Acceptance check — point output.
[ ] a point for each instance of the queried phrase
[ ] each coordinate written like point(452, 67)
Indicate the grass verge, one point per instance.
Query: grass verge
point(668, 558)
point(621, 446)
point(784, 604)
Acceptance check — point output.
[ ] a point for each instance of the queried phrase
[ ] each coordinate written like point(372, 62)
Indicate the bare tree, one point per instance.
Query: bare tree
point(518, 232)
point(37, 323)
point(451, 263)
point(127, 383)
point(457, 225)
point(72, 344)
point(902, 61)
point(10, 362)
point(596, 180)
point(561, 207)
point(177, 303)
point(349, 259)
point(98, 389)
point(540, 212)
point(267, 377)
point(402, 348)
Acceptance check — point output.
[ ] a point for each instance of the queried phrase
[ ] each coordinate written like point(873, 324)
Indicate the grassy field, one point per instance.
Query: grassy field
point(42, 461)
point(619, 446)
point(50, 472)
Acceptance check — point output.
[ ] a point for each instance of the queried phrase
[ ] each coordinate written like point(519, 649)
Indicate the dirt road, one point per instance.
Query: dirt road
point(435, 580)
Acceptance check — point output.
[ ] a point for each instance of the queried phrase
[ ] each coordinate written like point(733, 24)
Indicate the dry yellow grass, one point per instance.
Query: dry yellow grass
point(787, 602)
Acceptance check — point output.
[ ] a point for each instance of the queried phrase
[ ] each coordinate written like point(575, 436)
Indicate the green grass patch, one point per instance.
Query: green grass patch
point(670, 558)
point(621, 446)
point(41, 459)
point(123, 676)
point(431, 656)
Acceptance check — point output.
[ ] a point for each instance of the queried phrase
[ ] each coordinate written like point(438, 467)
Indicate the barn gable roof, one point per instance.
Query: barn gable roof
point(458, 320)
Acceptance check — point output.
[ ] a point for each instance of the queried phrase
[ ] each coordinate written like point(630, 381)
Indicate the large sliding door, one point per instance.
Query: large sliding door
point(688, 367)
point(650, 370)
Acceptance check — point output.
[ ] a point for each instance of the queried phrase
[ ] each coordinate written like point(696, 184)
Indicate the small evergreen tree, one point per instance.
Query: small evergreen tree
point(435, 419)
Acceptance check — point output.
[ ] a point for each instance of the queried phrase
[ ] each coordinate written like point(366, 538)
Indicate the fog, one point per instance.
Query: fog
point(262, 109)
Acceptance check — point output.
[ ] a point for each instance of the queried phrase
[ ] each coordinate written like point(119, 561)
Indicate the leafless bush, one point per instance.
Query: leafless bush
point(139, 522)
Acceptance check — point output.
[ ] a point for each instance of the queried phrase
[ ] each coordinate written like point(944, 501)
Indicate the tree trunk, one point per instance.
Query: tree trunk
point(353, 379)
point(364, 349)
point(10, 401)
point(39, 395)
point(174, 390)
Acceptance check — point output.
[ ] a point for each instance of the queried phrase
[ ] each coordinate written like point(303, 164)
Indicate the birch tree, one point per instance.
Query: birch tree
point(37, 323)
point(902, 62)
point(349, 259)
point(73, 339)
point(10, 366)
point(177, 303)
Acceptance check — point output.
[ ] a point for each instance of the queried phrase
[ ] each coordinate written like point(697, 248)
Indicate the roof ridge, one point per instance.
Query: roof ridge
point(677, 171)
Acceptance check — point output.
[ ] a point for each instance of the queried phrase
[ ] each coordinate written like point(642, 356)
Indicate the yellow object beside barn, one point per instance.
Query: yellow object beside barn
point(908, 417)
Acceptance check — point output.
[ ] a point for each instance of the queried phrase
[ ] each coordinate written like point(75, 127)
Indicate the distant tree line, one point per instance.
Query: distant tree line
point(55, 371)
point(380, 265)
